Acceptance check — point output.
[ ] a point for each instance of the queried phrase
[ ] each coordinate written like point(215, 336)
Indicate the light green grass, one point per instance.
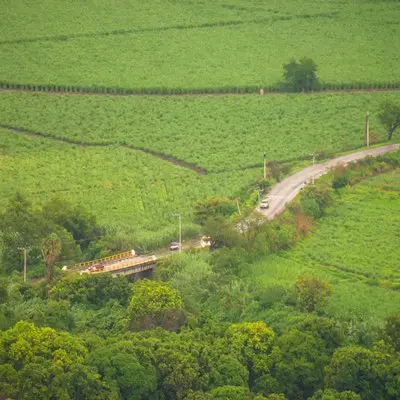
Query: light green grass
point(243, 42)
point(124, 188)
point(356, 247)
point(214, 132)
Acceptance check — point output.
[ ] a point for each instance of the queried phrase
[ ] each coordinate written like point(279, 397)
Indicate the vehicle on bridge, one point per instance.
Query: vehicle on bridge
point(96, 268)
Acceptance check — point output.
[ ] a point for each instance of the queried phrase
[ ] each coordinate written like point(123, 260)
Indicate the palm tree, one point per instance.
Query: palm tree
point(51, 249)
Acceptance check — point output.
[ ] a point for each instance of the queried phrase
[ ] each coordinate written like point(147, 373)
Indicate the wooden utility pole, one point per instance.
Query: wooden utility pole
point(24, 264)
point(366, 131)
point(313, 163)
point(180, 232)
point(237, 205)
point(265, 165)
point(25, 253)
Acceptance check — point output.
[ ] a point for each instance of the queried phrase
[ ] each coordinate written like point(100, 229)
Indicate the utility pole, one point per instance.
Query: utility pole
point(313, 163)
point(265, 165)
point(25, 256)
point(237, 205)
point(366, 132)
point(180, 232)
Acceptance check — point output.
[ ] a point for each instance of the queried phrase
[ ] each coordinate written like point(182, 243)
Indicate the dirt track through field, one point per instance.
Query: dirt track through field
point(162, 156)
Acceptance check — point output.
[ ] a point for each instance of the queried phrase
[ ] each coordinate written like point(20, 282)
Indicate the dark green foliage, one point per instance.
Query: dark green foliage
point(46, 313)
point(20, 227)
point(302, 75)
point(95, 290)
point(392, 330)
point(40, 363)
point(312, 293)
point(324, 328)
point(316, 198)
point(296, 364)
point(121, 368)
point(223, 233)
point(75, 219)
point(211, 208)
point(155, 304)
point(360, 370)
point(330, 394)
point(389, 116)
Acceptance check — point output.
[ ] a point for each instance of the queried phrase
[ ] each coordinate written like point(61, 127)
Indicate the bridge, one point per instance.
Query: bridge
point(127, 263)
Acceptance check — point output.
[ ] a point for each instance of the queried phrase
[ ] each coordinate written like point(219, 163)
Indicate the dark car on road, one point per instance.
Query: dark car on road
point(96, 268)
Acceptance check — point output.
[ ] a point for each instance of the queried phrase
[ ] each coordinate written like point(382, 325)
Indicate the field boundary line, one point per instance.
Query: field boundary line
point(128, 31)
point(165, 157)
point(163, 92)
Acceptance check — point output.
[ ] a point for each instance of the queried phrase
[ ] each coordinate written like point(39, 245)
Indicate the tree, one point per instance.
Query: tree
point(251, 341)
point(324, 328)
point(312, 292)
point(389, 116)
point(392, 330)
point(119, 365)
point(74, 218)
point(302, 75)
point(41, 363)
point(223, 233)
point(95, 290)
point(296, 364)
point(20, 227)
point(155, 304)
point(212, 208)
point(360, 370)
point(330, 394)
point(51, 249)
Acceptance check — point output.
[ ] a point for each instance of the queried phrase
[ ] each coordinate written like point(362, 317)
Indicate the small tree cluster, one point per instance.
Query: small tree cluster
point(302, 75)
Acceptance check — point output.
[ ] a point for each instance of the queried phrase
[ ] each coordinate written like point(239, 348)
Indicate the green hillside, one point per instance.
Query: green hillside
point(356, 248)
point(180, 44)
point(217, 133)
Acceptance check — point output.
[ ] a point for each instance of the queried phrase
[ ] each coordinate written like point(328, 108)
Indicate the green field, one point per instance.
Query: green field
point(217, 133)
point(184, 44)
point(356, 247)
point(127, 189)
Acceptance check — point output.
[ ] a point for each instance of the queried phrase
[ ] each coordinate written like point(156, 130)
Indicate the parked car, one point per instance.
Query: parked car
point(96, 268)
point(264, 204)
point(175, 246)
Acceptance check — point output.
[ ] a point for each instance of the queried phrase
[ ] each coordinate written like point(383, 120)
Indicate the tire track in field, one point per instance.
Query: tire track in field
point(165, 157)
point(63, 38)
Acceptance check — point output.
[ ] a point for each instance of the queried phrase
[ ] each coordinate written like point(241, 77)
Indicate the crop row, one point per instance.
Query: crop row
point(221, 133)
point(279, 88)
point(128, 190)
point(230, 49)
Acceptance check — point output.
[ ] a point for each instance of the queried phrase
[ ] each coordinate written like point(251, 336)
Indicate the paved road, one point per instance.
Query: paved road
point(286, 190)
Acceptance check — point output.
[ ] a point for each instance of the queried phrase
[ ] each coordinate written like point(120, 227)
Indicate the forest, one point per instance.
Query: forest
point(205, 326)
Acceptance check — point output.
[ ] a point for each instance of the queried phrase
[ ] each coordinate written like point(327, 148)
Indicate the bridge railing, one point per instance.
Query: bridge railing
point(127, 264)
point(114, 257)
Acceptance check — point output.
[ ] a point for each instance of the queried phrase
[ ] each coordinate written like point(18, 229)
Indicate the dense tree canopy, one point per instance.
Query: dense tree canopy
point(301, 75)
point(41, 363)
point(389, 116)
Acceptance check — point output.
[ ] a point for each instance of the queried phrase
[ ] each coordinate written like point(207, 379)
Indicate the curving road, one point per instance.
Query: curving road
point(286, 190)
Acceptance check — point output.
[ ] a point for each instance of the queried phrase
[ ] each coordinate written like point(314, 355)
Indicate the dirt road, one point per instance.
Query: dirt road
point(286, 190)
